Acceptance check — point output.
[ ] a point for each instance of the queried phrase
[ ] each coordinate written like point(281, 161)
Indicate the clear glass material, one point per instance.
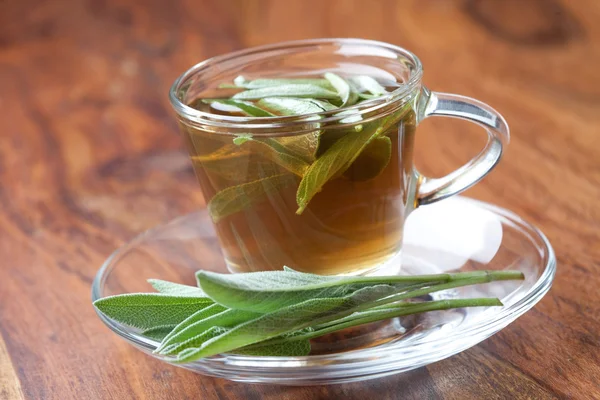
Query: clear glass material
point(454, 235)
point(354, 224)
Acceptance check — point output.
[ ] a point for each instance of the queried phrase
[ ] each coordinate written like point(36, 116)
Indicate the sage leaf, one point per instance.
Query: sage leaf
point(242, 138)
point(338, 158)
point(290, 106)
point(230, 151)
point(199, 315)
point(282, 321)
point(149, 310)
point(244, 107)
point(365, 83)
point(241, 82)
point(281, 154)
point(176, 289)
point(158, 332)
point(289, 90)
point(345, 92)
point(190, 335)
point(269, 290)
point(194, 341)
point(236, 164)
point(371, 161)
point(237, 198)
point(332, 162)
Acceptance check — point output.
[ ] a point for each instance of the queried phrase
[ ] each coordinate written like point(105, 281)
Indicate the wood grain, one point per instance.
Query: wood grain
point(89, 156)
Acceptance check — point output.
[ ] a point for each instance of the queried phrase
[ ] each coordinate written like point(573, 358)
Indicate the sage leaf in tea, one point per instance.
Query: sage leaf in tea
point(372, 160)
point(244, 107)
point(237, 198)
point(289, 90)
point(241, 82)
point(365, 83)
point(345, 92)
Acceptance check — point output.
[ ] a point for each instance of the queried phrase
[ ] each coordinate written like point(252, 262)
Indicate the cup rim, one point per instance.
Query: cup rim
point(381, 103)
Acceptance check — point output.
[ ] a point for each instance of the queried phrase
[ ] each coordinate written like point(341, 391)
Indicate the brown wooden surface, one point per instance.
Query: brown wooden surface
point(89, 156)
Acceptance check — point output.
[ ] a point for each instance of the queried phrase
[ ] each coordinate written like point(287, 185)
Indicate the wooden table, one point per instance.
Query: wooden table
point(89, 156)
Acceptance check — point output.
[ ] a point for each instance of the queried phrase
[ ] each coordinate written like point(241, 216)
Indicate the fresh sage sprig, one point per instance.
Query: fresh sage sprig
point(278, 312)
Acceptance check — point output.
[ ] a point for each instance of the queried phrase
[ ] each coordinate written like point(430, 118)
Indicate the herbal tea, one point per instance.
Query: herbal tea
point(326, 201)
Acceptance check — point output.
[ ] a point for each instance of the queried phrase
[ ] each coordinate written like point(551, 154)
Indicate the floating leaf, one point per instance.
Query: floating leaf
point(241, 106)
point(365, 83)
point(242, 138)
point(333, 162)
point(281, 155)
point(338, 158)
point(371, 161)
point(289, 90)
point(345, 92)
point(237, 198)
point(291, 106)
point(241, 82)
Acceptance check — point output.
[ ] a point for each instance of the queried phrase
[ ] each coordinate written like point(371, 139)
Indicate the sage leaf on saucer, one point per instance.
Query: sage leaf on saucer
point(149, 310)
point(277, 313)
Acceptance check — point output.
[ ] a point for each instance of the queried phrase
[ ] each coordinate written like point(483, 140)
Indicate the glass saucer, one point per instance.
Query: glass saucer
point(457, 234)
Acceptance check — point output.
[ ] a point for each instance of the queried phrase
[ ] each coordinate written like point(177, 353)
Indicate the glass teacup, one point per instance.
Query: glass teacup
point(268, 213)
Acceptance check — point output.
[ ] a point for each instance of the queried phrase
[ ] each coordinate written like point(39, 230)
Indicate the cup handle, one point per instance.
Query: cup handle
point(431, 190)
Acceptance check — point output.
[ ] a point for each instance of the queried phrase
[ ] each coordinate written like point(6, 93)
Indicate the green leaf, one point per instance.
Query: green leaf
point(282, 321)
point(280, 154)
point(270, 290)
point(291, 106)
point(158, 332)
point(237, 164)
point(242, 138)
point(365, 83)
point(197, 340)
point(366, 317)
point(371, 161)
point(289, 90)
point(237, 198)
point(176, 289)
point(241, 106)
point(345, 92)
point(199, 315)
point(338, 158)
point(149, 310)
point(240, 81)
point(191, 335)
point(230, 151)
point(332, 163)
